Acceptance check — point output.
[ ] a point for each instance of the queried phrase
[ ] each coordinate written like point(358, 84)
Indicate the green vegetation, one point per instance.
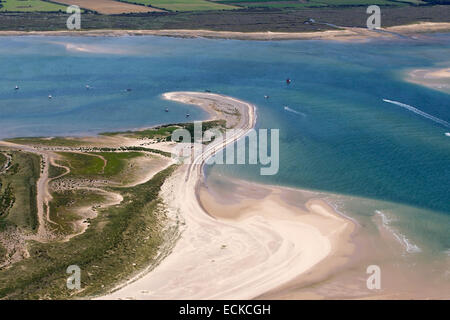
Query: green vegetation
point(116, 161)
point(83, 164)
point(160, 133)
point(30, 6)
point(3, 160)
point(54, 171)
point(164, 133)
point(95, 164)
point(120, 241)
point(3, 253)
point(245, 20)
point(18, 191)
point(183, 5)
point(280, 4)
point(65, 206)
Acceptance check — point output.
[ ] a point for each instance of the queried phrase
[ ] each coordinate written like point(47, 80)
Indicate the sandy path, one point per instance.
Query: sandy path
point(228, 258)
point(42, 187)
point(7, 164)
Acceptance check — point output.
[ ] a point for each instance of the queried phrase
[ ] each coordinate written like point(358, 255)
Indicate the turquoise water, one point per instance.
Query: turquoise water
point(342, 138)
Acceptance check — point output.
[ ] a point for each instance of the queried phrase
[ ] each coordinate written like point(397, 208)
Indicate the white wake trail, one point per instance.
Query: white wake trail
point(419, 112)
point(294, 111)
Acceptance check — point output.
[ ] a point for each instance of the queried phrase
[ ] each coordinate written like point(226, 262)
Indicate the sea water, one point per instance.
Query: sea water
point(349, 123)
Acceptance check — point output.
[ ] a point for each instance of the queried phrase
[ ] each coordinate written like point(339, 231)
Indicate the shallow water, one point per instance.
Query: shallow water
point(337, 134)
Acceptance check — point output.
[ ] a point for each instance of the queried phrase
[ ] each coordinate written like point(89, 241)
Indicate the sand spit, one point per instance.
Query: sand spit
point(255, 247)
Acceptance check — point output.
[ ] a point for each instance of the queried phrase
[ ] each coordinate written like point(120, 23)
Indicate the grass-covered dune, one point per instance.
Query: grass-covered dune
point(18, 191)
point(103, 214)
point(121, 241)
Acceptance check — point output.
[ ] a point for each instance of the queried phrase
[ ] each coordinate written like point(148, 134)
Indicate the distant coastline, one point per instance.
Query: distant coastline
point(344, 34)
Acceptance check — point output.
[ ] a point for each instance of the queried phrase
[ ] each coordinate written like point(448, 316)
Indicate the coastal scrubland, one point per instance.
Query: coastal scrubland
point(18, 176)
point(101, 213)
point(164, 132)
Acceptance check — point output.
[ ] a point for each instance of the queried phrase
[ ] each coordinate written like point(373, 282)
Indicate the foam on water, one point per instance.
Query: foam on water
point(419, 112)
point(401, 238)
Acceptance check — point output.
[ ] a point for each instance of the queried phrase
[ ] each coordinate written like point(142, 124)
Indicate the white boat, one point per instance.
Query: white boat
point(50, 96)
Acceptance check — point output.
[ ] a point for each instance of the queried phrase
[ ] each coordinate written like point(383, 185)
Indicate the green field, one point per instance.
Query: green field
point(116, 162)
point(30, 6)
point(93, 165)
point(184, 5)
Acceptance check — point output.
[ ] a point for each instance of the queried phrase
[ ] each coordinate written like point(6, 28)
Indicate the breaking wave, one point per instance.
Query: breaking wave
point(401, 238)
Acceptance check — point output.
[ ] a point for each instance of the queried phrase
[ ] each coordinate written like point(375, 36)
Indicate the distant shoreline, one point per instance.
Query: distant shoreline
point(344, 34)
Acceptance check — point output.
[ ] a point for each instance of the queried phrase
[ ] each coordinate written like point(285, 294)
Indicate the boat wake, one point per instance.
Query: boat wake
point(294, 111)
point(419, 112)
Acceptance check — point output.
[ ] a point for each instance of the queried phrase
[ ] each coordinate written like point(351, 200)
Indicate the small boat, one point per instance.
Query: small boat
point(208, 91)
point(167, 110)
point(88, 87)
point(187, 115)
point(50, 96)
point(16, 88)
point(288, 81)
point(266, 97)
point(128, 90)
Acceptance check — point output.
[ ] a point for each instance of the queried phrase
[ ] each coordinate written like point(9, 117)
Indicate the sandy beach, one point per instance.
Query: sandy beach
point(243, 249)
point(342, 34)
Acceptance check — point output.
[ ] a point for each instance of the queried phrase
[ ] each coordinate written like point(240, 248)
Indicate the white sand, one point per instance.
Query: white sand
point(219, 258)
